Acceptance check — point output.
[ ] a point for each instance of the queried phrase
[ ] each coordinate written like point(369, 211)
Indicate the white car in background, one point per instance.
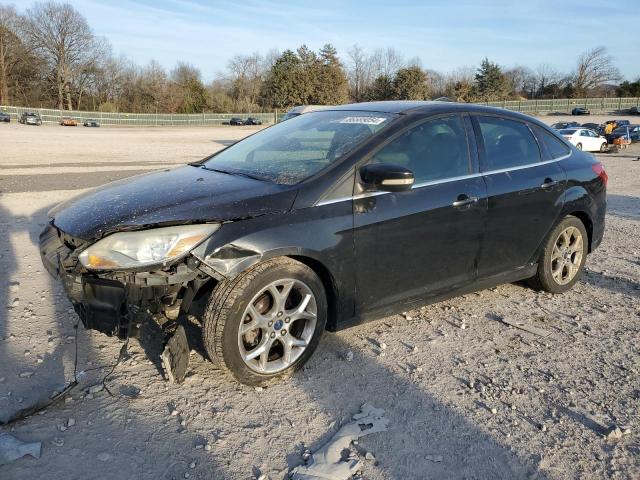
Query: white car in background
point(585, 139)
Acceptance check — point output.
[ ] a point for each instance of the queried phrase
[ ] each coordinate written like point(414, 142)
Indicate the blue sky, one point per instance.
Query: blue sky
point(444, 34)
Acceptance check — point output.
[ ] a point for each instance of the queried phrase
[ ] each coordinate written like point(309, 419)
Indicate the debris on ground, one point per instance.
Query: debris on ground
point(175, 356)
point(526, 327)
point(328, 462)
point(12, 449)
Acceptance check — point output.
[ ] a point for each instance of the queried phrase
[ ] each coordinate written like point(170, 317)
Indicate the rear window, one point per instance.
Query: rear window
point(507, 143)
point(567, 131)
point(556, 147)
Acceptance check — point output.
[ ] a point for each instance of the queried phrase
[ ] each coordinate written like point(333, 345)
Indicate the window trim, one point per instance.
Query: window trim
point(541, 142)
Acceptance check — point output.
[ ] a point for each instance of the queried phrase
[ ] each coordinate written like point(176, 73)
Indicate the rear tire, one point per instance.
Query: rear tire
point(264, 324)
point(603, 147)
point(563, 257)
point(579, 146)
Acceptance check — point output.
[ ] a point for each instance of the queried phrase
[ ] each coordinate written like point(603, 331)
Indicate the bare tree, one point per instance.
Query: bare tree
point(545, 76)
point(385, 62)
point(64, 39)
point(246, 75)
point(11, 48)
point(358, 72)
point(595, 67)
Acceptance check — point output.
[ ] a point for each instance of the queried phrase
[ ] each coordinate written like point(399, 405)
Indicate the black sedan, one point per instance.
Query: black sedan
point(252, 121)
point(580, 111)
point(327, 220)
point(90, 122)
point(632, 132)
point(236, 121)
point(563, 125)
point(634, 111)
point(5, 117)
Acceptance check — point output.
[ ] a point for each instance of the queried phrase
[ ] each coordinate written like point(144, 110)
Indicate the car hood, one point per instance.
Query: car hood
point(176, 196)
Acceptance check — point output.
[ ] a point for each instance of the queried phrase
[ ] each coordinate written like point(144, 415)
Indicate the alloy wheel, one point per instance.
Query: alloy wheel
point(277, 326)
point(566, 257)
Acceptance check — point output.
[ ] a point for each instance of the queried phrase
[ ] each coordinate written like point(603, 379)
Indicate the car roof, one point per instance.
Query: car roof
point(431, 107)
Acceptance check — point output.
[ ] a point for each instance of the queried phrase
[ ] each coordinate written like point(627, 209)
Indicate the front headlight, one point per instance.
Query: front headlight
point(144, 247)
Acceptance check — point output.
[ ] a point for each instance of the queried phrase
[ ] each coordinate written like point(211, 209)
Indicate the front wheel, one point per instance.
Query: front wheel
point(603, 147)
point(264, 324)
point(579, 146)
point(563, 257)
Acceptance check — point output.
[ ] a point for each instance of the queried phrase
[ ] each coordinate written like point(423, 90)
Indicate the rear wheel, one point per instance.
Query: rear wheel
point(579, 146)
point(563, 257)
point(603, 147)
point(264, 324)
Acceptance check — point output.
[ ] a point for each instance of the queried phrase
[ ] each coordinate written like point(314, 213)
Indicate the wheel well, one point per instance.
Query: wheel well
point(329, 287)
point(588, 224)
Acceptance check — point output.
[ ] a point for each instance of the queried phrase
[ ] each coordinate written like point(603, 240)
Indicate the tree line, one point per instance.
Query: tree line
point(50, 57)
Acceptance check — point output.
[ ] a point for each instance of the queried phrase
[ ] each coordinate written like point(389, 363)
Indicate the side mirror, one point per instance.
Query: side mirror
point(386, 178)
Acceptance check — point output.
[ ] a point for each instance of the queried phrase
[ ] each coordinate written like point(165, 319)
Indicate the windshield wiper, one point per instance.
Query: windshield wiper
point(242, 174)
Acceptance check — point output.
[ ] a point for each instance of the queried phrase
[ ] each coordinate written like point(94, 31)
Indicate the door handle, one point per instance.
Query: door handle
point(464, 200)
point(548, 183)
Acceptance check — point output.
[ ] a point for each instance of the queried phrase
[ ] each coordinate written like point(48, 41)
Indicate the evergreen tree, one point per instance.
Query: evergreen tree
point(331, 86)
point(410, 84)
point(381, 89)
point(280, 88)
point(490, 83)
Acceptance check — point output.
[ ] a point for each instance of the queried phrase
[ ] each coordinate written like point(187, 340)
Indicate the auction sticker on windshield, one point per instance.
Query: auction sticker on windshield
point(364, 120)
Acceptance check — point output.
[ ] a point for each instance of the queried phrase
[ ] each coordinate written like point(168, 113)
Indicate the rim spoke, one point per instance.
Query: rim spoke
point(247, 327)
point(259, 350)
point(298, 342)
point(286, 355)
point(264, 357)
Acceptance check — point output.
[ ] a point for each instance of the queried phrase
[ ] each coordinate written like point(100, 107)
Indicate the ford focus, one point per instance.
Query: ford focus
point(326, 220)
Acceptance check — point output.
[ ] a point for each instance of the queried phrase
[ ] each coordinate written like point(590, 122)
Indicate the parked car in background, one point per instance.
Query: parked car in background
point(622, 123)
point(5, 117)
point(252, 121)
point(634, 111)
point(30, 118)
point(561, 125)
point(90, 122)
point(300, 109)
point(236, 121)
point(580, 111)
point(631, 132)
point(284, 236)
point(68, 122)
point(592, 126)
point(585, 139)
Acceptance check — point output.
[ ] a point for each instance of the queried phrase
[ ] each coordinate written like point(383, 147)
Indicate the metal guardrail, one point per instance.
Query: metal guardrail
point(559, 105)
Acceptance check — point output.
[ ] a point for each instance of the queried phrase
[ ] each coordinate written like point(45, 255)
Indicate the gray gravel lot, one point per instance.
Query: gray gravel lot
point(491, 400)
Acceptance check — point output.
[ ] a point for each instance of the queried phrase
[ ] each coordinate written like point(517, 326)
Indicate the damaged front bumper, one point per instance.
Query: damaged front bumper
point(115, 302)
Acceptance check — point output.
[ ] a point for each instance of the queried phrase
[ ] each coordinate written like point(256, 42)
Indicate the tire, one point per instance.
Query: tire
point(234, 302)
point(603, 147)
point(559, 271)
point(579, 146)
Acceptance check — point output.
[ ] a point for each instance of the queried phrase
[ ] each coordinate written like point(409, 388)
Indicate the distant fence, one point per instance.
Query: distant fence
point(565, 105)
point(559, 105)
point(49, 115)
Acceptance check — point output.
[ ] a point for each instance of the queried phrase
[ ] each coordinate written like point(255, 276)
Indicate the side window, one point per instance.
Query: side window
point(434, 150)
point(555, 146)
point(507, 143)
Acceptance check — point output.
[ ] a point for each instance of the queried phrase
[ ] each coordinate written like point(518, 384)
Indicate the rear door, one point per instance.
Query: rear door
point(427, 239)
point(525, 189)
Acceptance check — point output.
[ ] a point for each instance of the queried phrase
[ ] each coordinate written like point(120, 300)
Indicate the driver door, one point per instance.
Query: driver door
point(426, 240)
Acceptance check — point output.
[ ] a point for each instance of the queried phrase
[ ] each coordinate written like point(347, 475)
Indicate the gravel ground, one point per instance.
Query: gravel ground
point(467, 395)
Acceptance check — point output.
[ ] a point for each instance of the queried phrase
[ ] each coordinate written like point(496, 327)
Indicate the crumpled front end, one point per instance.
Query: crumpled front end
point(116, 303)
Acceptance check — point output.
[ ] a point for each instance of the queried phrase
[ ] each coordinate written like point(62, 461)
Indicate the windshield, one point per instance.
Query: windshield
point(292, 151)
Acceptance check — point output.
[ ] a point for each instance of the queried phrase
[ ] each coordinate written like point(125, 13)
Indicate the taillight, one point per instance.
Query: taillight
point(598, 169)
